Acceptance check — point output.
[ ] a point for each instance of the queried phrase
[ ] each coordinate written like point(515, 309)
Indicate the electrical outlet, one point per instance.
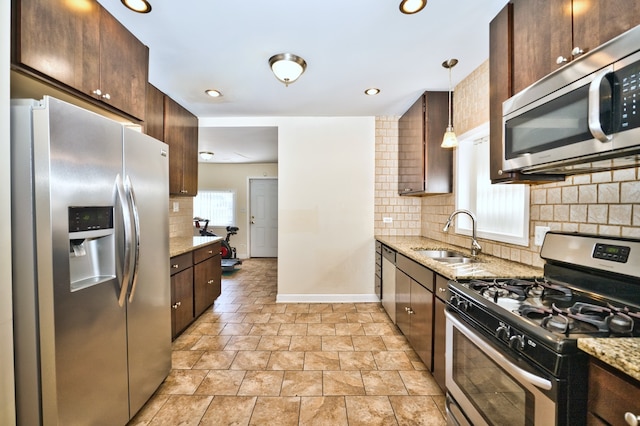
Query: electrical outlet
point(176, 206)
point(387, 220)
point(539, 234)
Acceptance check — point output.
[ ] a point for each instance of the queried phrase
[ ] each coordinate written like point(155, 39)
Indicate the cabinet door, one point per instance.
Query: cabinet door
point(206, 283)
point(421, 322)
point(154, 115)
point(58, 40)
point(124, 63)
point(438, 173)
point(181, 301)
point(600, 21)
point(403, 302)
point(542, 33)
point(180, 133)
point(411, 149)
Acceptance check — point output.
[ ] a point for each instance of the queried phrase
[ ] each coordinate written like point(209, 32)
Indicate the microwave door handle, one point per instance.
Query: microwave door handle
point(594, 105)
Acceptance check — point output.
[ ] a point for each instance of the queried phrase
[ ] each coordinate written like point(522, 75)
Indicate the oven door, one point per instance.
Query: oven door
point(489, 386)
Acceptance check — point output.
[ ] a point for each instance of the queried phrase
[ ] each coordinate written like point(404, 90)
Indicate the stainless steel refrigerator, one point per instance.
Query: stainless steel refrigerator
point(90, 265)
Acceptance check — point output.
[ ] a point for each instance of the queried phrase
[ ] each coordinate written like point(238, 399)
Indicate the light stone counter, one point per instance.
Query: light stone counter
point(488, 267)
point(622, 353)
point(181, 245)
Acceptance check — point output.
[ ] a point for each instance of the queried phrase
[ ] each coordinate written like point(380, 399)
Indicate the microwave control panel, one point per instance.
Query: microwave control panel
point(629, 80)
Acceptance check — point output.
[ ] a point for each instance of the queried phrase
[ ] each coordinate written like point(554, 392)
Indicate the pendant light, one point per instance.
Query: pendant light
point(449, 140)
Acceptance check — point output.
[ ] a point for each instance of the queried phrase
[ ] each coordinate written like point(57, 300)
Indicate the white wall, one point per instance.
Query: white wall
point(325, 206)
point(7, 403)
point(235, 176)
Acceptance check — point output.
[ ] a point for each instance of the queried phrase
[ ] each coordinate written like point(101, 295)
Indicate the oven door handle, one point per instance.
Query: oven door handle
point(498, 357)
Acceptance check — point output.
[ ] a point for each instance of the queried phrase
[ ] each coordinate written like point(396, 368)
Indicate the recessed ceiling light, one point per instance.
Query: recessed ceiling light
point(410, 7)
point(140, 6)
point(213, 93)
point(206, 155)
point(372, 91)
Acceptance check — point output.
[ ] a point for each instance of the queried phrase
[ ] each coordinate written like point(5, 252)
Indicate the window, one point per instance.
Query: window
point(217, 206)
point(502, 210)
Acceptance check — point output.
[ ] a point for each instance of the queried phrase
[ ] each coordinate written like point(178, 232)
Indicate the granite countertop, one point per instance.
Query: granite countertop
point(622, 353)
point(181, 245)
point(488, 267)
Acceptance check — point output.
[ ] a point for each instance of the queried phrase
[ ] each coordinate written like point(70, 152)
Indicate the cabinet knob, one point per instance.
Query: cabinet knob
point(442, 290)
point(106, 96)
point(176, 305)
point(500, 172)
point(410, 311)
point(577, 51)
point(631, 419)
point(560, 60)
point(210, 282)
point(97, 92)
point(210, 251)
point(183, 191)
point(175, 266)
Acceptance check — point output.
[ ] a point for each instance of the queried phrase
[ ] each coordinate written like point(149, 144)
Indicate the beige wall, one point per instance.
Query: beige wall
point(602, 203)
point(7, 403)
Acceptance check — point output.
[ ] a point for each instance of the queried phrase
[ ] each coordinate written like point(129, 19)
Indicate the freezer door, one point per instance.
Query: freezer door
point(77, 156)
point(149, 300)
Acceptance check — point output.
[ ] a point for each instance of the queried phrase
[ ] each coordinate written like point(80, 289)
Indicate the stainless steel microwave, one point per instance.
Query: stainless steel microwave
point(583, 117)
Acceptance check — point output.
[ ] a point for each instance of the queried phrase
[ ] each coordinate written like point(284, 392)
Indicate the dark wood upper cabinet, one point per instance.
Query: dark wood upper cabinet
point(181, 134)
point(423, 166)
point(549, 30)
point(154, 115)
point(79, 47)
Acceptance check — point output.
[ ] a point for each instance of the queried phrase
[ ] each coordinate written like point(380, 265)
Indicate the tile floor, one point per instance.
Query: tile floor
point(250, 361)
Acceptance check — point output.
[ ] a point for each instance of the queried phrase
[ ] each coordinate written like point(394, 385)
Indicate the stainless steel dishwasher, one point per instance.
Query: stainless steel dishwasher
point(389, 281)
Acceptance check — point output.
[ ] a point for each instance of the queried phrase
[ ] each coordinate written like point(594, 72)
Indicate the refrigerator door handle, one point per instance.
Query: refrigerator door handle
point(136, 243)
point(126, 271)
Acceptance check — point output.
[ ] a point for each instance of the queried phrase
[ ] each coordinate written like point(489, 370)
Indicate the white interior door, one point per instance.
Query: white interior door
point(263, 218)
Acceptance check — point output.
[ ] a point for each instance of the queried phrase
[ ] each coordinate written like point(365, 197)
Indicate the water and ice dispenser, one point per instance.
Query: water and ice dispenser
point(91, 246)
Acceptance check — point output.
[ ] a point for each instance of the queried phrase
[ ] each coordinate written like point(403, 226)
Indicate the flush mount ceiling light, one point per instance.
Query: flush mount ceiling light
point(206, 155)
point(140, 6)
point(449, 140)
point(213, 93)
point(409, 7)
point(372, 91)
point(287, 67)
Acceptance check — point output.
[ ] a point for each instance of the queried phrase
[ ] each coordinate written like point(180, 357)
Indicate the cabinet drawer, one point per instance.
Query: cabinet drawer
point(416, 271)
point(204, 253)
point(378, 270)
point(378, 247)
point(180, 263)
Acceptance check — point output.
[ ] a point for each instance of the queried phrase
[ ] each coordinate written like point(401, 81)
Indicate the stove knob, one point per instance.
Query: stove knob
point(463, 305)
point(516, 342)
point(502, 332)
point(454, 299)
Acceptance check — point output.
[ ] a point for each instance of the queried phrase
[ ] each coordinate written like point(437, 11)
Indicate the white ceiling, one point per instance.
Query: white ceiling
point(349, 46)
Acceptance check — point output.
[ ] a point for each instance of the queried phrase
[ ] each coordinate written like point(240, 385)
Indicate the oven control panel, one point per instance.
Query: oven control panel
point(611, 252)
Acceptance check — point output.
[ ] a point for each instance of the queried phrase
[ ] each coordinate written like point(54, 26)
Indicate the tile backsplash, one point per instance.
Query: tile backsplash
point(181, 221)
point(606, 203)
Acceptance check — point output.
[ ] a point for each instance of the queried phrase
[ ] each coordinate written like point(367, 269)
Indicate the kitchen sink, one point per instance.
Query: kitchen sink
point(439, 254)
point(460, 259)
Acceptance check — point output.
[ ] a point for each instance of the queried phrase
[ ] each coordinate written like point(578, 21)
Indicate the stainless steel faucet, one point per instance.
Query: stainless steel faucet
point(475, 246)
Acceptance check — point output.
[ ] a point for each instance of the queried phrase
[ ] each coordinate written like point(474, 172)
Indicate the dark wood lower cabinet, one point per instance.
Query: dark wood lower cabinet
point(414, 306)
point(612, 395)
point(196, 282)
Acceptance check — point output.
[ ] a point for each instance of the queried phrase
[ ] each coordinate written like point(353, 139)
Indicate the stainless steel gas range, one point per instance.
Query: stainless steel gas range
point(512, 355)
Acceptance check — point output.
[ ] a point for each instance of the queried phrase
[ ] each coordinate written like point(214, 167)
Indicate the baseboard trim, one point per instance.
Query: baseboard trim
point(326, 298)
